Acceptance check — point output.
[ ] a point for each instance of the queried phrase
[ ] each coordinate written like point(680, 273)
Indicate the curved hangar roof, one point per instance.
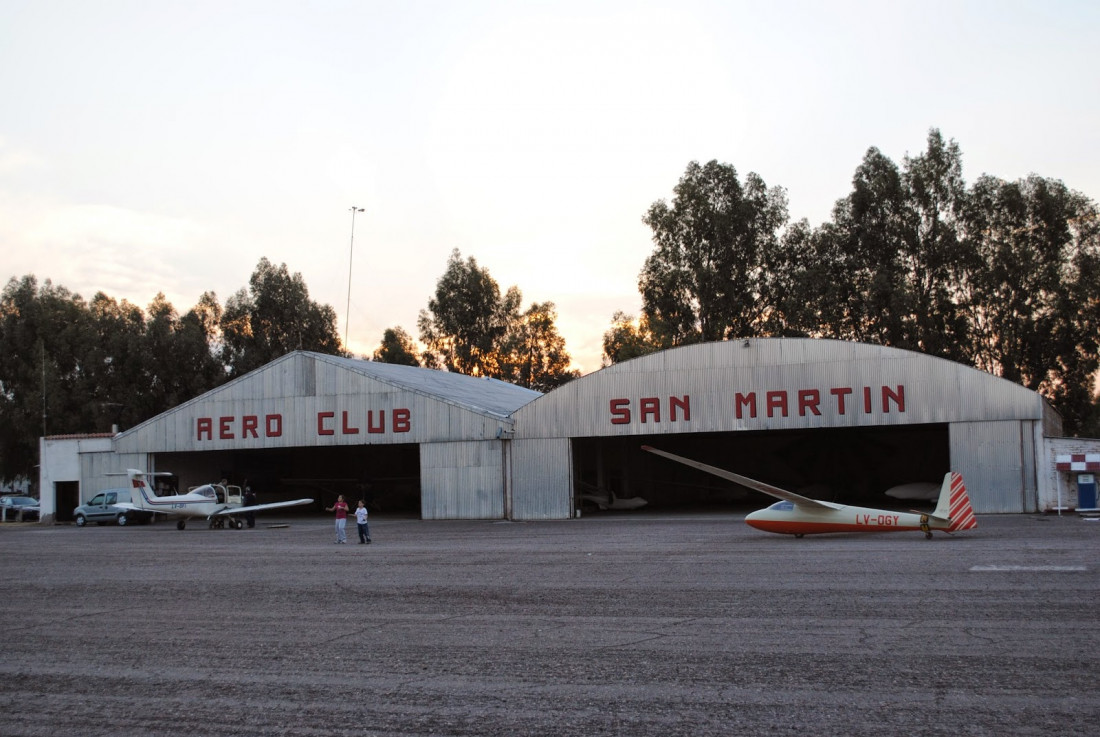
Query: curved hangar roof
point(776, 384)
point(309, 399)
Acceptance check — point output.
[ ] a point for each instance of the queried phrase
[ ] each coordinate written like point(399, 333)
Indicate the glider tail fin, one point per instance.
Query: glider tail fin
point(954, 503)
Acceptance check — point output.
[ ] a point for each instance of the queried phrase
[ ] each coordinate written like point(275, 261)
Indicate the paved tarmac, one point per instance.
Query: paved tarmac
point(638, 624)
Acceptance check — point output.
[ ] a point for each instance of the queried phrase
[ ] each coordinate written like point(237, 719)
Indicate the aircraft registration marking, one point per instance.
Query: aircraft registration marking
point(882, 520)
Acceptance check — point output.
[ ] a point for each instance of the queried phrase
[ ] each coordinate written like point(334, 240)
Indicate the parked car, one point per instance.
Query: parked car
point(101, 509)
point(18, 508)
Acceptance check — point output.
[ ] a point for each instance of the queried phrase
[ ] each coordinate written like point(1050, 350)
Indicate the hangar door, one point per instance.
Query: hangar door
point(846, 465)
point(387, 477)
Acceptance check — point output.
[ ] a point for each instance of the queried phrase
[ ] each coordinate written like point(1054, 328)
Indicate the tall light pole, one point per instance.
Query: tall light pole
point(351, 255)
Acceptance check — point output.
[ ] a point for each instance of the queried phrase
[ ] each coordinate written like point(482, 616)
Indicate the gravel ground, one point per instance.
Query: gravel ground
point(612, 625)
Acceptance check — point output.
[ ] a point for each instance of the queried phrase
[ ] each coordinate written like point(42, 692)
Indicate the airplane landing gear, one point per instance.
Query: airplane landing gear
point(219, 523)
point(925, 528)
point(181, 524)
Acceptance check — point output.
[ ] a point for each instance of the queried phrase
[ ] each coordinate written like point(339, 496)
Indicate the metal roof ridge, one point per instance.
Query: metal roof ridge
point(362, 367)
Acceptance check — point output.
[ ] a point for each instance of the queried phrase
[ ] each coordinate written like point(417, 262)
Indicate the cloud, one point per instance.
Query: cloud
point(15, 161)
point(91, 248)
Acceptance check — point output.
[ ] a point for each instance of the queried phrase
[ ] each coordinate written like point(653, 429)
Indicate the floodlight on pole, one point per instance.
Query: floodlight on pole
point(351, 255)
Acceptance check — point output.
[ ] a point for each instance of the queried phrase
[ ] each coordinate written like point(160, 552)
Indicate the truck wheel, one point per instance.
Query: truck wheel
point(80, 521)
point(122, 520)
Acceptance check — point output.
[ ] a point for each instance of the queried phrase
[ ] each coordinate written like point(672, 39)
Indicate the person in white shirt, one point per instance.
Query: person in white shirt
point(361, 523)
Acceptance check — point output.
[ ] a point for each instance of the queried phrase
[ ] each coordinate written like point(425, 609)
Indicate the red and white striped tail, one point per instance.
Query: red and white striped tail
point(960, 511)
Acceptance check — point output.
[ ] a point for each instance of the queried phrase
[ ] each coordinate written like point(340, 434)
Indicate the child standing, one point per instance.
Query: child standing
point(361, 523)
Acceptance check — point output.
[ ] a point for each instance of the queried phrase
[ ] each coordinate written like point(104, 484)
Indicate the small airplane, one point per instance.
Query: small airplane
point(920, 490)
point(216, 503)
point(605, 500)
point(798, 515)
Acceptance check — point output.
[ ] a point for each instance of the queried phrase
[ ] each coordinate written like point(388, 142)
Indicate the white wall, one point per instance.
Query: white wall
point(59, 461)
point(1059, 488)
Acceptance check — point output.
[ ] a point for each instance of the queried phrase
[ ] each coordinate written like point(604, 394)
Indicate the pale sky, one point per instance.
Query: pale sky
point(158, 146)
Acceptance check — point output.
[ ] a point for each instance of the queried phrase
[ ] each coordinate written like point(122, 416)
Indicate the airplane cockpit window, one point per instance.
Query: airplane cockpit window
point(206, 491)
point(783, 506)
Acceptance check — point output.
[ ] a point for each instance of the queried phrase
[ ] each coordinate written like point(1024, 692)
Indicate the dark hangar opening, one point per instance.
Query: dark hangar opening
point(845, 465)
point(387, 477)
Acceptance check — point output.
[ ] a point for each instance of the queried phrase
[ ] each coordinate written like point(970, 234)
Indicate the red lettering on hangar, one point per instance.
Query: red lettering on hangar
point(775, 403)
point(229, 429)
point(244, 427)
point(648, 409)
point(400, 421)
point(805, 402)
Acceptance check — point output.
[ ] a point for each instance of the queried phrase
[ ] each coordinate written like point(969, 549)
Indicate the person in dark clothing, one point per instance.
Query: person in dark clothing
point(249, 500)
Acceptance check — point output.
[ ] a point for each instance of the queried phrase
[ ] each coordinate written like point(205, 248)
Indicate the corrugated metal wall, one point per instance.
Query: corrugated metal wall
point(1000, 475)
point(285, 402)
point(98, 471)
point(796, 384)
point(712, 375)
point(462, 480)
point(542, 479)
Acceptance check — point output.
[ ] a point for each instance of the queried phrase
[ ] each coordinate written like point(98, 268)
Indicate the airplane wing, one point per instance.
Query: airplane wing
point(789, 496)
point(261, 507)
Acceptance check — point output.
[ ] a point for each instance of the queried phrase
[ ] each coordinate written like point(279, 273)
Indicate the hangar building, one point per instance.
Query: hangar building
point(310, 424)
point(841, 420)
point(825, 414)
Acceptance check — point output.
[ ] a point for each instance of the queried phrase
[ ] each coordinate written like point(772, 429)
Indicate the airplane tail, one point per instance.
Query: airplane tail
point(954, 503)
point(142, 494)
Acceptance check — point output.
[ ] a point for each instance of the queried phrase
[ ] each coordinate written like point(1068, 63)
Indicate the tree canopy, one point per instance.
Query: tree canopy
point(397, 347)
point(272, 318)
point(471, 328)
point(72, 366)
point(1000, 275)
point(708, 275)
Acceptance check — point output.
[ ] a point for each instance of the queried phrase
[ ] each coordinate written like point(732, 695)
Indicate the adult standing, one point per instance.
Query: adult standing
point(249, 501)
point(341, 509)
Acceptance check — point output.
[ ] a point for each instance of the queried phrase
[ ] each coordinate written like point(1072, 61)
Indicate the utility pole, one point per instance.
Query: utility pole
point(351, 255)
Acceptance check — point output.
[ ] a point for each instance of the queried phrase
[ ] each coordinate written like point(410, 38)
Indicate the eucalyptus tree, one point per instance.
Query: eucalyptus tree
point(179, 353)
point(273, 317)
point(933, 256)
point(44, 331)
point(707, 277)
point(467, 319)
point(885, 268)
point(855, 284)
point(397, 347)
point(534, 353)
point(1032, 297)
point(627, 338)
point(120, 363)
